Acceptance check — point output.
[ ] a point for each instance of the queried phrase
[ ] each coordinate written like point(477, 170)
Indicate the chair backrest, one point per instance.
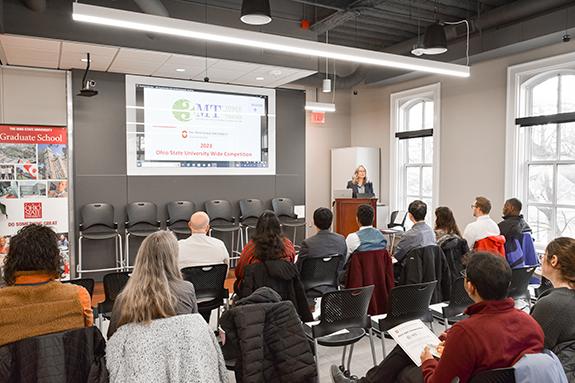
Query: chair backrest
point(219, 209)
point(87, 283)
point(283, 207)
point(455, 249)
point(344, 309)
point(318, 272)
point(142, 213)
point(208, 280)
point(520, 282)
point(459, 299)
point(114, 283)
point(499, 375)
point(180, 211)
point(99, 215)
point(545, 285)
point(250, 208)
point(409, 302)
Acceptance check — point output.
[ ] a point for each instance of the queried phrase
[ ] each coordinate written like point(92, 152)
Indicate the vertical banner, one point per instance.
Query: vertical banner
point(34, 182)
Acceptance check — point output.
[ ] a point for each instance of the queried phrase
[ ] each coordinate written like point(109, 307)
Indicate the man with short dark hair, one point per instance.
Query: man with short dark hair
point(513, 225)
point(367, 237)
point(325, 242)
point(483, 226)
point(420, 234)
point(495, 335)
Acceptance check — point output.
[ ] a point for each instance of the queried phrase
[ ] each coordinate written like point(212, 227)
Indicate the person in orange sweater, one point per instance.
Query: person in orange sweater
point(34, 302)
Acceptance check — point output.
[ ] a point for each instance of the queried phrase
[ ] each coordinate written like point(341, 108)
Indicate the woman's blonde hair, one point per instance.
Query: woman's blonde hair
point(148, 296)
point(354, 178)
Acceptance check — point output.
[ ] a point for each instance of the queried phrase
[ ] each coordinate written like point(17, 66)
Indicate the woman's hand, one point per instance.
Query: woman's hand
point(426, 354)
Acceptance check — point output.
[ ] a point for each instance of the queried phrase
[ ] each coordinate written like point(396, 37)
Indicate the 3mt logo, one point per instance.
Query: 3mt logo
point(183, 110)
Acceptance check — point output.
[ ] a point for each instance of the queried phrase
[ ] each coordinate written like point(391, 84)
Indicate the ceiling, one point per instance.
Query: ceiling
point(497, 28)
point(59, 54)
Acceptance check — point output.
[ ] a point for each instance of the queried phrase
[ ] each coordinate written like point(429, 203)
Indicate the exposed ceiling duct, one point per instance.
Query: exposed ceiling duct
point(153, 7)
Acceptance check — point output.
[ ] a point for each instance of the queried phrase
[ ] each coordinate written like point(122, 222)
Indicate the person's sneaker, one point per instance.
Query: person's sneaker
point(337, 376)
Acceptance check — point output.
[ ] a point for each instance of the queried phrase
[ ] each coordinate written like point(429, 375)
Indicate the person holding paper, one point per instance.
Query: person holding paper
point(496, 335)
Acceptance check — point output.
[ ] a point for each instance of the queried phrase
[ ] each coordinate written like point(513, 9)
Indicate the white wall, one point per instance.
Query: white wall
point(320, 139)
point(472, 130)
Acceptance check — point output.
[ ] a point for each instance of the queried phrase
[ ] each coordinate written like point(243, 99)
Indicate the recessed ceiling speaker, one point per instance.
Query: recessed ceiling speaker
point(256, 12)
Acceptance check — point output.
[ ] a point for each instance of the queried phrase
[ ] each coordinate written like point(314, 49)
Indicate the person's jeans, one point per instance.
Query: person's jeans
point(389, 370)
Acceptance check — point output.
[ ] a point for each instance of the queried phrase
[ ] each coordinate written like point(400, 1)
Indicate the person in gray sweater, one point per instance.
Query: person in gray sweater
point(555, 308)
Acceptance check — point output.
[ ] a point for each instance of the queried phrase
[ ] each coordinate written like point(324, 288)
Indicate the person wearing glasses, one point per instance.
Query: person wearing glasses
point(359, 183)
point(484, 226)
point(555, 308)
point(495, 335)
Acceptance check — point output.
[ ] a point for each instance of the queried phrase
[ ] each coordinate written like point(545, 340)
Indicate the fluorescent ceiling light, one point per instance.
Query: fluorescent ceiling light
point(193, 30)
point(319, 106)
point(180, 70)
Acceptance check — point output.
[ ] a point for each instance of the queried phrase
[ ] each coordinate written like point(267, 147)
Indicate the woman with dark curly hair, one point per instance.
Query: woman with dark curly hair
point(34, 302)
point(267, 244)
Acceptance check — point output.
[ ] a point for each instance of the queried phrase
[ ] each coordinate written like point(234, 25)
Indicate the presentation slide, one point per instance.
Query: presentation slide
point(186, 128)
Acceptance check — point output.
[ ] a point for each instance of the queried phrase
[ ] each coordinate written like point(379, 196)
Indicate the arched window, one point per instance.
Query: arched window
point(415, 128)
point(547, 155)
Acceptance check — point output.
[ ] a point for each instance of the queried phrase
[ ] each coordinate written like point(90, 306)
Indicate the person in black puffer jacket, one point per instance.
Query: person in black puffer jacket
point(265, 338)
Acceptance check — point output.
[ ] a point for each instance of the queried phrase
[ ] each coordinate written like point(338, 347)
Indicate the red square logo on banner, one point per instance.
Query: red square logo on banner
point(32, 210)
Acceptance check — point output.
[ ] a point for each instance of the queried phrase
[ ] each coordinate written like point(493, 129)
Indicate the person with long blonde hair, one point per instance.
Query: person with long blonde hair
point(359, 183)
point(156, 289)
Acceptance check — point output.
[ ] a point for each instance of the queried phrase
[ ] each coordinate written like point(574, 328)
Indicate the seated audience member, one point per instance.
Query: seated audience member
point(513, 225)
point(483, 226)
point(325, 242)
point(175, 349)
point(496, 335)
point(267, 243)
point(420, 234)
point(445, 225)
point(199, 249)
point(155, 288)
point(34, 302)
point(367, 237)
point(555, 308)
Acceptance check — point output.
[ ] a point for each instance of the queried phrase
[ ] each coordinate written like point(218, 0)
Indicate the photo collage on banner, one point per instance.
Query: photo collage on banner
point(34, 183)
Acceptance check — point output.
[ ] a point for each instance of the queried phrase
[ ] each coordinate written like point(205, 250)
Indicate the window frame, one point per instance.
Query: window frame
point(400, 101)
point(521, 79)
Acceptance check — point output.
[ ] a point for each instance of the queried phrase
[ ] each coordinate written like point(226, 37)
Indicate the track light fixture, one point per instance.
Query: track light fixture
point(256, 12)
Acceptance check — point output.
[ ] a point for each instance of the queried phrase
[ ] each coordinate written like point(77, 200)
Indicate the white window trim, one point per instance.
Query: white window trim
point(516, 76)
point(432, 92)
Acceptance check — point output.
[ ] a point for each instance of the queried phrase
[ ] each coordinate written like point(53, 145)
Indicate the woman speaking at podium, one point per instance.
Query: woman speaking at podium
point(359, 184)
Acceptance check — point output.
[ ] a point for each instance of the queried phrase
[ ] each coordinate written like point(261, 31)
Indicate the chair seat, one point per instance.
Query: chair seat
point(142, 233)
point(98, 236)
point(293, 222)
point(225, 228)
point(180, 230)
point(342, 339)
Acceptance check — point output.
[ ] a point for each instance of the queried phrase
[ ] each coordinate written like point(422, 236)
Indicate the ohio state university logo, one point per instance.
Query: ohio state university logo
point(32, 210)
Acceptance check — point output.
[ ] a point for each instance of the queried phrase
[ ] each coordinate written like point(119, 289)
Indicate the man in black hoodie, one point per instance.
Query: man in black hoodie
point(513, 225)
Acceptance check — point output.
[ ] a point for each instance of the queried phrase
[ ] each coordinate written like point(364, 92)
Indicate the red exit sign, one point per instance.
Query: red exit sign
point(318, 117)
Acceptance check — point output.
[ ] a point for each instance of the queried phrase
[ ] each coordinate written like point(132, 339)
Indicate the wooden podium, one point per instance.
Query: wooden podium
point(346, 212)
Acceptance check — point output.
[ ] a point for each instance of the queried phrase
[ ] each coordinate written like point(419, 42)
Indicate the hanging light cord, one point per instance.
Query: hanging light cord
point(467, 42)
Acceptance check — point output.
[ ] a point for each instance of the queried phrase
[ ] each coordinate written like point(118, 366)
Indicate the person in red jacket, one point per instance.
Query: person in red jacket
point(496, 335)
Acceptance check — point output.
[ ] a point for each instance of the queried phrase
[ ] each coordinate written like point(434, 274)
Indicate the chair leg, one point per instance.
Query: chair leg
point(431, 324)
point(127, 250)
point(316, 349)
point(120, 248)
point(383, 344)
point(343, 358)
point(349, 359)
point(79, 266)
point(372, 347)
point(446, 323)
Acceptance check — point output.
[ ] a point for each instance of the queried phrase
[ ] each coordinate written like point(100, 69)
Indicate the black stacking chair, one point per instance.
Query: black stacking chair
point(284, 209)
point(97, 223)
point(87, 283)
point(499, 375)
point(544, 286)
point(250, 210)
point(142, 221)
point(459, 301)
point(208, 282)
point(397, 219)
point(520, 282)
point(319, 275)
point(342, 310)
point(114, 283)
point(222, 220)
point(179, 214)
point(407, 302)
